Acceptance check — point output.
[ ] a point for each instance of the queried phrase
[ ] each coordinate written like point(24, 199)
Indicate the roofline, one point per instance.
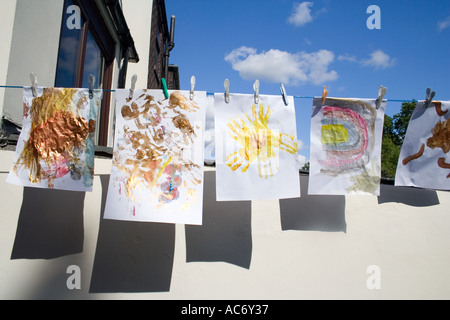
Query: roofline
point(121, 26)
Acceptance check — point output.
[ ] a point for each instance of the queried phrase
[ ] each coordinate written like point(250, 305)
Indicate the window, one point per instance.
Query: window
point(85, 50)
point(93, 63)
point(79, 55)
point(69, 53)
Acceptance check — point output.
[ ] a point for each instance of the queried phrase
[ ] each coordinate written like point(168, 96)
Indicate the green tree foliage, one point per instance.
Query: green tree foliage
point(306, 166)
point(393, 135)
point(401, 120)
point(390, 149)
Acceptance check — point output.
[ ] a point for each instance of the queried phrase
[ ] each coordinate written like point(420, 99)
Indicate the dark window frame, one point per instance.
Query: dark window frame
point(95, 24)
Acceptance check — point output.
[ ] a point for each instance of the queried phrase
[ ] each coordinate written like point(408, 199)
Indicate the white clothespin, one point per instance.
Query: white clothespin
point(191, 95)
point(430, 96)
point(91, 86)
point(256, 88)
point(133, 86)
point(33, 77)
point(283, 94)
point(324, 94)
point(381, 93)
point(227, 90)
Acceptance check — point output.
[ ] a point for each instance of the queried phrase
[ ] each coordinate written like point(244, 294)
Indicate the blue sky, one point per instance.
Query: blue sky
point(310, 44)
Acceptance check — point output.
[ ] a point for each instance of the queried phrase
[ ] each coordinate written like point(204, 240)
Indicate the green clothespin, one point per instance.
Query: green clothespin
point(166, 92)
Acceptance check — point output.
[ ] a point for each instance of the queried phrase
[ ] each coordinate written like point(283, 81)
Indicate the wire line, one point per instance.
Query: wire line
point(212, 94)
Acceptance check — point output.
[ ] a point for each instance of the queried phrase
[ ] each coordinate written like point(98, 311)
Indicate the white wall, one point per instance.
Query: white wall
point(138, 14)
point(34, 48)
point(405, 232)
point(7, 14)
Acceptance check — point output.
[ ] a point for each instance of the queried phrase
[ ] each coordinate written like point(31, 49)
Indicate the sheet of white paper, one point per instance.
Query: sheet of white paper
point(424, 159)
point(346, 147)
point(256, 148)
point(157, 172)
point(55, 149)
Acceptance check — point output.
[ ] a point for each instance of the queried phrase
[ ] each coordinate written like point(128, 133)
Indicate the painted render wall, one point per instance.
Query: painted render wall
point(138, 14)
point(32, 49)
point(6, 25)
point(315, 247)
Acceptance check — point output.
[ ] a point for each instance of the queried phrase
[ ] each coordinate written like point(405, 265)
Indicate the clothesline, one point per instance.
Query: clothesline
point(211, 94)
point(345, 150)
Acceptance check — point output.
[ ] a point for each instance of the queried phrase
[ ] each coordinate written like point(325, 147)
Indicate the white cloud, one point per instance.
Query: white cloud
point(302, 160)
point(348, 58)
point(378, 60)
point(302, 14)
point(307, 41)
point(444, 24)
point(299, 145)
point(209, 134)
point(210, 144)
point(209, 112)
point(281, 66)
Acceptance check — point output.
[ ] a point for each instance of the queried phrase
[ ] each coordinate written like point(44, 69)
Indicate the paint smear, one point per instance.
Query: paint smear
point(345, 138)
point(368, 181)
point(57, 132)
point(157, 162)
point(414, 156)
point(438, 107)
point(258, 143)
point(334, 134)
point(441, 136)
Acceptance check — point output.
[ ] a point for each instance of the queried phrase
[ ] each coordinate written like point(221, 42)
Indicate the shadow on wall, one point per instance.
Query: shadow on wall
point(132, 256)
point(313, 212)
point(50, 224)
point(226, 233)
point(410, 196)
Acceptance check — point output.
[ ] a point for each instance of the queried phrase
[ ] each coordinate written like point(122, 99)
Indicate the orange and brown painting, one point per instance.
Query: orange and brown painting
point(427, 160)
point(56, 147)
point(154, 164)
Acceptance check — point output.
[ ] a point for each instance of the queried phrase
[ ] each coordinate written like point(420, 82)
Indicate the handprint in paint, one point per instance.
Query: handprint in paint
point(258, 143)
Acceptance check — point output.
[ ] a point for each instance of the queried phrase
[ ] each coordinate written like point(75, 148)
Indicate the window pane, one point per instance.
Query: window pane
point(93, 63)
point(69, 51)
